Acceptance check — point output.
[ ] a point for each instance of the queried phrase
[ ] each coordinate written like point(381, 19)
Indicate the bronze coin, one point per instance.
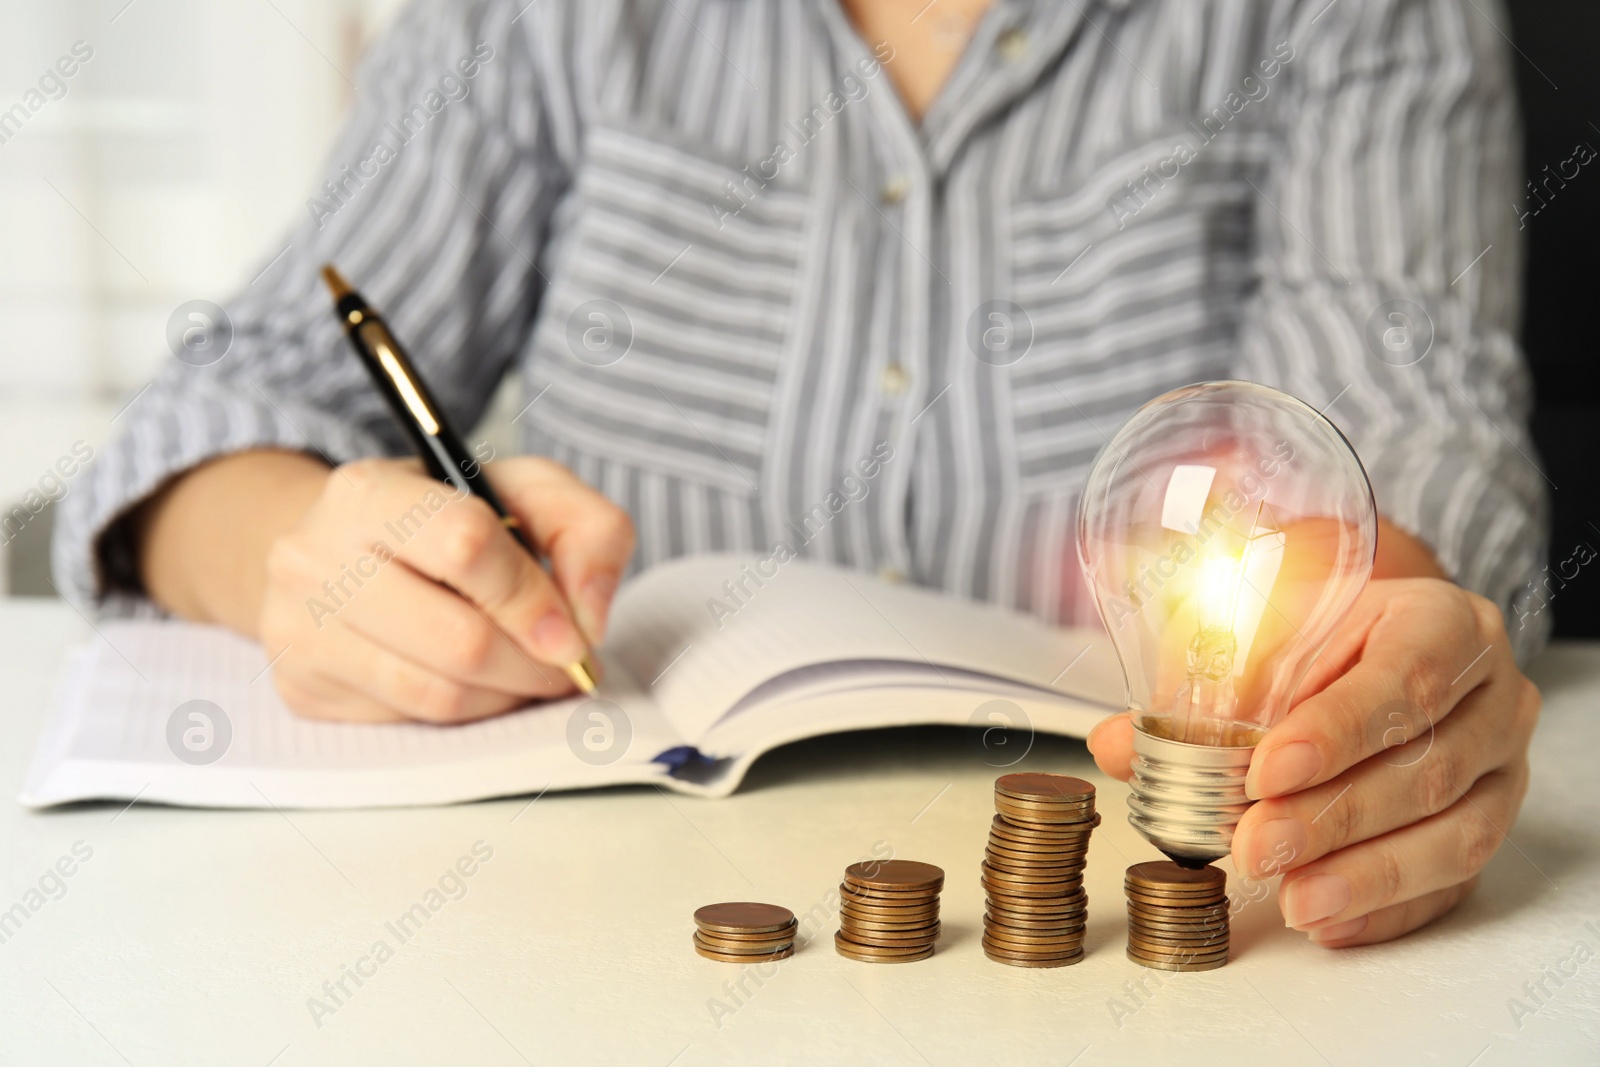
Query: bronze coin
point(1036, 850)
point(1178, 955)
point(1197, 933)
point(883, 891)
point(1176, 925)
point(1006, 938)
point(1036, 905)
point(1071, 860)
point(1162, 944)
point(1201, 948)
point(1008, 954)
point(1154, 901)
point(861, 957)
point(1053, 922)
point(724, 957)
point(1044, 835)
point(743, 935)
point(1074, 836)
point(1073, 935)
point(1045, 811)
point(1048, 810)
point(1036, 908)
point(1176, 911)
point(1050, 821)
point(1002, 874)
point(1027, 877)
point(882, 904)
point(1009, 961)
point(741, 948)
point(743, 917)
point(869, 923)
point(895, 874)
point(1033, 871)
point(1039, 851)
point(1012, 857)
point(1180, 938)
point(892, 939)
point(890, 915)
point(1150, 900)
point(1048, 805)
point(868, 928)
point(1030, 951)
point(1029, 784)
point(898, 915)
point(1214, 891)
point(1169, 965)
point(1214, 888)
point(866, 949)
point(896, 922)
point(1015, 892)
point(1020, 923)
point(1043, 922)
point(858, 932)
point(1160, 874)
point(880, 897)
point(1059, 893)
point(1061, 834)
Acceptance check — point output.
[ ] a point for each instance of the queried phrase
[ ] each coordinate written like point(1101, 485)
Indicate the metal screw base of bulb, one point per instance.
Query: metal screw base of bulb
point(1187, 799)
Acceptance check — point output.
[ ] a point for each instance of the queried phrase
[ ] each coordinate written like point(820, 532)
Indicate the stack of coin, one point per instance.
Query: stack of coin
point(1033, 870)
point(889, 911)
point(1177, 917)
point(742, 932)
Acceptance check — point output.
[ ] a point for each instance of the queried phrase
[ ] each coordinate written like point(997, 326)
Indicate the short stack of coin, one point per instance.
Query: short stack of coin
point(1177, 917)
point(743, 932)
point(1033, 870)
point(889, 911)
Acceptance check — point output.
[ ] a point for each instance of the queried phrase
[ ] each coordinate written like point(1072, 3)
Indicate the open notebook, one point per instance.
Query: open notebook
point(697, 683)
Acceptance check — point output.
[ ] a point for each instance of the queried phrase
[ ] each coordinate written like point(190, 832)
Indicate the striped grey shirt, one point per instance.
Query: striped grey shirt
point(755, 304)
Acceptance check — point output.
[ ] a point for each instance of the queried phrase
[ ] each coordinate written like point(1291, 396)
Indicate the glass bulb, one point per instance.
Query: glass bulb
point(1225, 531)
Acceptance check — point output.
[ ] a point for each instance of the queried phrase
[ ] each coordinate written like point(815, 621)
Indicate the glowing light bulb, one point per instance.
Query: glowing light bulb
point(1225, 531)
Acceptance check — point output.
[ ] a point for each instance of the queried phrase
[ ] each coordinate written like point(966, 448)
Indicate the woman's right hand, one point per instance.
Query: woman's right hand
point(390, 596)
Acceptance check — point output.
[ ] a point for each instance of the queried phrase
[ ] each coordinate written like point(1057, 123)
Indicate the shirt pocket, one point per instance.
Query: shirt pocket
point(661, 339)
point(1120, 307)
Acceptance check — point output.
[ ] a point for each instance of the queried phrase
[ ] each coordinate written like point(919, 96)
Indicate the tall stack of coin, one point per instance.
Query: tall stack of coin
point(743, 932)
point(1033, 870)
point(889, 911)
point(1177, 917)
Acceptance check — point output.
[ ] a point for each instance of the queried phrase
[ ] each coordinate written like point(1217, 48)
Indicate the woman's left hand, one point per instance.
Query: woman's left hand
point(1382, 795)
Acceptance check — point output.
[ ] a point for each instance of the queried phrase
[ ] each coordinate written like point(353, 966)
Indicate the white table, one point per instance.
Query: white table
point(197, 937)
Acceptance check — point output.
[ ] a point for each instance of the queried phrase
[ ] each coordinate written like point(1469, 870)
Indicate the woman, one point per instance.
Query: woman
point(733, 247)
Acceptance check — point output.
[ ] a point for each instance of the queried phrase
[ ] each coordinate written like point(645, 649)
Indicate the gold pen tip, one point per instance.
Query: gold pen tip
point(582, 675)
point(336, 283)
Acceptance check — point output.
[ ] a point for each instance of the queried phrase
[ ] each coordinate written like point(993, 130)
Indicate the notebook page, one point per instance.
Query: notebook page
point(699, 650)
point(138, 674)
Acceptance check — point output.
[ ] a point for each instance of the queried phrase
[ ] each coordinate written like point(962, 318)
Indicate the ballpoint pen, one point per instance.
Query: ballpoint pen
point(441, 448)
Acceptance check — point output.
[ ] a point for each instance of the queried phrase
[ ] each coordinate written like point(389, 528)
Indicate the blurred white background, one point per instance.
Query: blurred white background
point(169, 170)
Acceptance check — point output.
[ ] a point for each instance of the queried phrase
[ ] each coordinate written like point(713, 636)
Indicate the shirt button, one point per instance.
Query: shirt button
point(1012, 45)
point(894, 191)
point(893, 379)
point(892, 575)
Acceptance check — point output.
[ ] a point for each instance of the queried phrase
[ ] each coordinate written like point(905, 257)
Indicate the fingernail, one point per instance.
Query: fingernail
point(1340, 931)
point(1286, 768)
point(1312, 899)
point(1275, 844)
point(594, 604)
point(557, 639)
